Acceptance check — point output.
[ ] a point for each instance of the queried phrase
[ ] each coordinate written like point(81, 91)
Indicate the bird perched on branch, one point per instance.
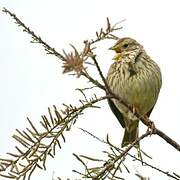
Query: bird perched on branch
point(136, 79)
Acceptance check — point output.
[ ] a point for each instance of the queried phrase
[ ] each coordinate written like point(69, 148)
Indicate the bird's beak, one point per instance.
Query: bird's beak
point(114, 48)
point(117, 56)
point(111, 48)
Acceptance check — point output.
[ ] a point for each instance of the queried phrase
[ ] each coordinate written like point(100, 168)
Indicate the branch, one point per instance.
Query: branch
point(34, 148)
point(106, 87)
point(106, 34)
point(168, 139)
point(92, 80)
point(36, 38)
point(72, 62)
point(144, 163)
point(107, 142)
point(109, 166)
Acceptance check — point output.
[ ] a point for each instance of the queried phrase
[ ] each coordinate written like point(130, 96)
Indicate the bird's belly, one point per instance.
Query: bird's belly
point(139, 93)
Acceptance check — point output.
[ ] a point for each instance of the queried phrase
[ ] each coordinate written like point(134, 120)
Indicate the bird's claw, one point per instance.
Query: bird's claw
point(151, 126)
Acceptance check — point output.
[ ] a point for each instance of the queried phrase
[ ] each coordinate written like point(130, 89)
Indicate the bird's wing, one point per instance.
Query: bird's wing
point(148, 113)
point(117, 113)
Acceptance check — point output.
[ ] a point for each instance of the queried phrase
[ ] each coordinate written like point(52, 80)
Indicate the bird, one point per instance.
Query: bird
point(137, 80)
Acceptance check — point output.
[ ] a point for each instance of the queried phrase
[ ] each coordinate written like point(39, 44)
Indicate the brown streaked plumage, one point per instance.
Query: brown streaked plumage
point(136, 78)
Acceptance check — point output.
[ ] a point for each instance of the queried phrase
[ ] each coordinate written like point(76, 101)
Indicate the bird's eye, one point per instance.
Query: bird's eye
point(125, 45)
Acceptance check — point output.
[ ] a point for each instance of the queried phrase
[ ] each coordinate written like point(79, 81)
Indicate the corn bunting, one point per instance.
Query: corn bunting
point(136, 78)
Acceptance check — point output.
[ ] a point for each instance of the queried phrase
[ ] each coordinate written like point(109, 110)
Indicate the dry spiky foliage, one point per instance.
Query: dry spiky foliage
point(114, 164)
point(111, 167)
point(73, 62)
point(36, 145)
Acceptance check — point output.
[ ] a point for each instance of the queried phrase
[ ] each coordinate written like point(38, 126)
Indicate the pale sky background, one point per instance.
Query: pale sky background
point(31, 81)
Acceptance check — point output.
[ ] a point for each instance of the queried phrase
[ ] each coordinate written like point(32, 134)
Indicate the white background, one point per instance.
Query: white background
point(31, 81)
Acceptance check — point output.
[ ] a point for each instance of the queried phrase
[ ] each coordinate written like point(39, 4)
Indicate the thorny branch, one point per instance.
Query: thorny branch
point(33, 141)
point(111, 145)
point(110, 166)
point(35, 148)
point(35, 38)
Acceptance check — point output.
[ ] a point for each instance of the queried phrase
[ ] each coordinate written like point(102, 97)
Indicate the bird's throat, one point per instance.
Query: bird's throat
point(117, 57)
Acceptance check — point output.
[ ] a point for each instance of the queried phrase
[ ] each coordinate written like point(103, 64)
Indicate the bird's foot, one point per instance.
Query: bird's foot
point(151, 125)
point(152, 128)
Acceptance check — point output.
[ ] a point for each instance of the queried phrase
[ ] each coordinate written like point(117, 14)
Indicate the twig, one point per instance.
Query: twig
point(132, 156)
point(107, 89)
point(108, 166)
point(92, 135)
point(168, 139)
point(38, 151)
point(143, 162)
point(107, 33)
point(79, 159)
point(36, 38)
point(92, 80)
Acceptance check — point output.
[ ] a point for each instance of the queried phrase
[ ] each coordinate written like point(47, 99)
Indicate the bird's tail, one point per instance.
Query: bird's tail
point(130, 136)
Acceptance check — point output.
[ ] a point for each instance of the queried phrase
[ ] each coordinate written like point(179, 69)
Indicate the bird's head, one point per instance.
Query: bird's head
point(125, 47)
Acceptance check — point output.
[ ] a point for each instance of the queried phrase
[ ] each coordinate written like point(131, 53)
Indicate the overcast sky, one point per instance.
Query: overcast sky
point(32, 81)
